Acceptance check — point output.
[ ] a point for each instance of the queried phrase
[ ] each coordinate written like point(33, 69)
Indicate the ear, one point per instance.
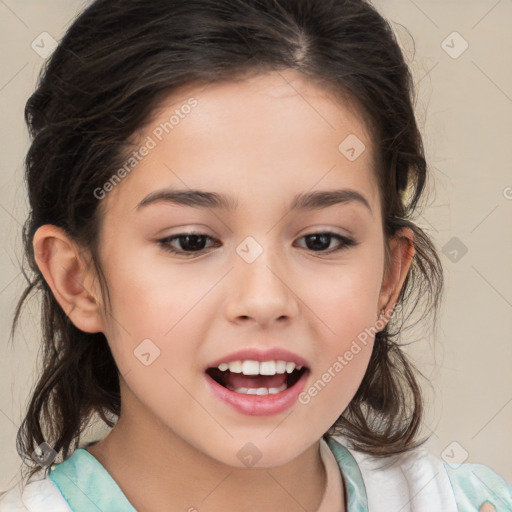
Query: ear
point(72, 283)
point(402, 250)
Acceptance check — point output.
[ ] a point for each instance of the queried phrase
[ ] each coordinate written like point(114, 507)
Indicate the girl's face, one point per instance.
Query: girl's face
point(261, 278)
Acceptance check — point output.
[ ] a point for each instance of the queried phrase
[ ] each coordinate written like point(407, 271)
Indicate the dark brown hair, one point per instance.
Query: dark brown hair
point(116, 62)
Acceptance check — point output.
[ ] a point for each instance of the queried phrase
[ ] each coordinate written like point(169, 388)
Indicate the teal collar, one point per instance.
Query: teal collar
point(355, 490)
point(87, 486)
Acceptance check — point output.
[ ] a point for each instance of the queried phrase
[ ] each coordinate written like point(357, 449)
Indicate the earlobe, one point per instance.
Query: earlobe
point(64, 269)
point(402, 253)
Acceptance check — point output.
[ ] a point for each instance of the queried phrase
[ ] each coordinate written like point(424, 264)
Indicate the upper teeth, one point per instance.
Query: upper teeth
point(256, 368)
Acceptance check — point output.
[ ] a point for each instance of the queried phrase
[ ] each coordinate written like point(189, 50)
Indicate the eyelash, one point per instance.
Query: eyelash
point(345, 243)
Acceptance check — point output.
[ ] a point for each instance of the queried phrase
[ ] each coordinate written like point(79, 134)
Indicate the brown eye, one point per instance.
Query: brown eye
point(188, 243)
point(320, 242)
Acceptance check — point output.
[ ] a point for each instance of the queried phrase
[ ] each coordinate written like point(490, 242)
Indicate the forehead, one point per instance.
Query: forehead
point(272, 98)
point(277, 129)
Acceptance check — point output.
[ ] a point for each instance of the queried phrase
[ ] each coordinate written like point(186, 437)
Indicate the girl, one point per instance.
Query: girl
point(221, 196)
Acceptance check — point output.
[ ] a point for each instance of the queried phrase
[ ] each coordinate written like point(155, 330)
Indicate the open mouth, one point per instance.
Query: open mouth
point(253, 378)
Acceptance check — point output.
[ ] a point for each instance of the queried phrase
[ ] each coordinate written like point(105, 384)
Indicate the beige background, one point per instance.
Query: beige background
point(464, 108)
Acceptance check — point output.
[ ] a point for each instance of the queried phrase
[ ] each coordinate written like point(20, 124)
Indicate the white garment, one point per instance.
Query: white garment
point(38, 496)
point(416, 482)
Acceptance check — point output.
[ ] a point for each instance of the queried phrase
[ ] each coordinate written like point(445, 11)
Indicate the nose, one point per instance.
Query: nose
point(262, 292)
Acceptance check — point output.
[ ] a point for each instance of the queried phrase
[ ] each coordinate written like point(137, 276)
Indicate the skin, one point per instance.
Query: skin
point(260, 141)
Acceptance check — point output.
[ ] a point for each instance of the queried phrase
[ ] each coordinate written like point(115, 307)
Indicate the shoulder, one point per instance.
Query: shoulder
point(477, 484)
point(78, 483)
point(36, 496)
point(418, 480)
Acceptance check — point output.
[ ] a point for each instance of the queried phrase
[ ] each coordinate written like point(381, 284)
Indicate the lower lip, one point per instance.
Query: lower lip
point(259, 405)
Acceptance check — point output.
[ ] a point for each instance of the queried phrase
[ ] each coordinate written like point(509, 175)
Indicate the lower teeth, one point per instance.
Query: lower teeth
point(258, 391)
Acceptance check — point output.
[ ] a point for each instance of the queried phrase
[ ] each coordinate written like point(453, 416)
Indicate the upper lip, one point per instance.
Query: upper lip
point(258, 354)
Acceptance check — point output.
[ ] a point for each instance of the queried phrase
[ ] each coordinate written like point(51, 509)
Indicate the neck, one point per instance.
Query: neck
point(157, 470)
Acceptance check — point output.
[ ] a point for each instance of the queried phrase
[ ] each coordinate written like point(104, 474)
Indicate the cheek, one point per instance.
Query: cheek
point(150, 297)
point(345, 300)
point(337, 379)
point(347, 309)
point(162, 316)
point(334, 386)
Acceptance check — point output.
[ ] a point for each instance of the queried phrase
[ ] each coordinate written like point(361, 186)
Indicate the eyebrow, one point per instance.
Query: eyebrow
point(203, 199)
